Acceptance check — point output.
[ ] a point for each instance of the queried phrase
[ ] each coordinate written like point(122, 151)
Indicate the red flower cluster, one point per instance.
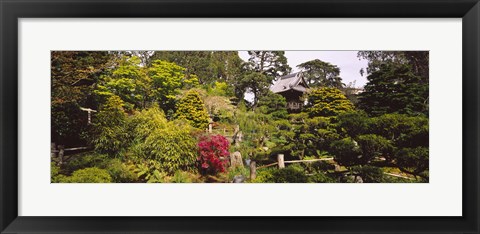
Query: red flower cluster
point(213, 154)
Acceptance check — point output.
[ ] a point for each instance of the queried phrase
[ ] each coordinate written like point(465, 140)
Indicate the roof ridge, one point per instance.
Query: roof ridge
point(287, 82)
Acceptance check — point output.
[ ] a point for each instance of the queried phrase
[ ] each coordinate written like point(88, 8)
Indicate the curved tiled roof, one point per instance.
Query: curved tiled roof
point(293, 81)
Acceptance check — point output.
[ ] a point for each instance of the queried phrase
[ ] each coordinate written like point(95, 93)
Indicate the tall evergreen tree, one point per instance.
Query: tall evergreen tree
point(192, 109)
point(417, 60)
point(394, 88)
point(227, 65)
point(256, 83)
point(272, 64)
point(262, 68)
point(318, 73)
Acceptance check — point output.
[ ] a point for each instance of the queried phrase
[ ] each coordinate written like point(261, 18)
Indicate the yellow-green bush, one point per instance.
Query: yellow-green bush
point(170, 144)
point(328, 102)
point(110, 127)
point(192, 109)
point(55, 175)
point(184, 177)
point(121, 172)
point(88, 175)
point(290, 174)
point(85, 160)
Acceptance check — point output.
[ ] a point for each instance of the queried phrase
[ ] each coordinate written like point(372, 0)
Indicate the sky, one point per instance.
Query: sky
point(347, 61)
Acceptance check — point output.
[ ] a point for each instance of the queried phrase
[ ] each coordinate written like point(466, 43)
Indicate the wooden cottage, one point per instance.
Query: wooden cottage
point(292, 87)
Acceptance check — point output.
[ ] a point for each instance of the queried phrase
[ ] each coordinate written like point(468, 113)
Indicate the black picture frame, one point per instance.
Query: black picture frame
point(11, 11)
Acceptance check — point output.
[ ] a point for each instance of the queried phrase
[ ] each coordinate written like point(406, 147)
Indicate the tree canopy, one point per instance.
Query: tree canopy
point(318, 73)
point(394, 88)
point(327, 102)
point(178, 116)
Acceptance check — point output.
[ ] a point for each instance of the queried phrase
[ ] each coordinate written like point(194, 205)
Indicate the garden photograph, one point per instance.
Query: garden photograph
point(239, 116)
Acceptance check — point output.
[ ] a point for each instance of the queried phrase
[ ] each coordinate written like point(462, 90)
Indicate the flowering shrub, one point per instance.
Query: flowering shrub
point(213, 154)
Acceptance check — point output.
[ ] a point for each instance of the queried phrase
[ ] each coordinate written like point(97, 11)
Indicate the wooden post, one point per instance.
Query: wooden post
point(281, 161)
point(61, 151)
point(89, 111)
point(53, 152)
point(89, 117)
point(253, 170)
point(210, 128)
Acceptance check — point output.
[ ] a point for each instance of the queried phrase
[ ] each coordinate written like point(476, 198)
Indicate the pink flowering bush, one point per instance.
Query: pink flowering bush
point(213, 154)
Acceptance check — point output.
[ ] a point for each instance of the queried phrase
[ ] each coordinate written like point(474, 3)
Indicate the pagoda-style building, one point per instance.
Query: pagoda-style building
point(292, 87)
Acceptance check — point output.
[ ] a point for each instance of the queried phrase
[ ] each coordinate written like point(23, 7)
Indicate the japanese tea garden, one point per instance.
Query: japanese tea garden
point(217, 117)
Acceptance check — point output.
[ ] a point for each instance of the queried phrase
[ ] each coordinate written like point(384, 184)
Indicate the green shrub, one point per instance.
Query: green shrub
point(320, 177)
point(327, 102)
point(184, 177)
point(236, 171)
point(369, 174)
point(173, 148)
point(55, 175)
point(317, 166)
point(192, 109)
point(88, 175)
point(110, 127)
point(170, 144)
point(149, 171)
point(220, 89)
point(373, 146)
point(54, 169)
point(274, 105)
point(121, 172)
point(143, 123)
point(353, 123)
point(345, 151)
point(290, 174)
point(403, 130)
point(81, 161)
point(265, 175)
point(414, 160)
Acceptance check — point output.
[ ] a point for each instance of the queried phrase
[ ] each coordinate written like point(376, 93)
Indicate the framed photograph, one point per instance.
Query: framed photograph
point(225, 116)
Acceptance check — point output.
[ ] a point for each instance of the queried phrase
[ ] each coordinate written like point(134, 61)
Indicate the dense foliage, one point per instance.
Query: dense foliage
point(109, 127)
point(327, 102)
point(192, 109)
point(73, 73)
point(168, 143)
point(178, 116)
point(88, 175)
point(318, 73)
point(394, 89)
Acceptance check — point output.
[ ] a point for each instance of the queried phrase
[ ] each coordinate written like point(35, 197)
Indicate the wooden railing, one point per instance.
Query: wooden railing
point(281, 164)
point(57, 153)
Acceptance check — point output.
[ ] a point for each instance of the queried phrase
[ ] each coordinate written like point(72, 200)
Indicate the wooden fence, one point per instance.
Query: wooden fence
point(57, 153)
point(281, 164)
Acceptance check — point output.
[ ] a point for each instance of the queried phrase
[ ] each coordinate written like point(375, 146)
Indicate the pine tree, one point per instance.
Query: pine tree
point(327, 102)
point(394, 88)
point(318, 73)
point(192, 109)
